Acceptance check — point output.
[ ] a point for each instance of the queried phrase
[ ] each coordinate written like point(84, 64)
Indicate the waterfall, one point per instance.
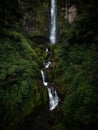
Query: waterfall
point(43, 77)
point(53, 97)
point(53, 36)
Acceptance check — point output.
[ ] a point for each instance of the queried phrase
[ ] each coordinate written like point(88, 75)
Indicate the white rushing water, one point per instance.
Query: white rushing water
point(47, 50)
point(47, 64)
point(43, 78)
point(53, 97)
point(53, 22)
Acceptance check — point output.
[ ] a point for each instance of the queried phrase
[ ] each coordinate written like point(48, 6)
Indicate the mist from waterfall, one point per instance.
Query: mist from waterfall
point(53, 30)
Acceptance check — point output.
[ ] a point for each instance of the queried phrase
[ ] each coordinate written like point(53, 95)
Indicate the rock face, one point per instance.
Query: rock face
point(71, 13)
point(35, 18)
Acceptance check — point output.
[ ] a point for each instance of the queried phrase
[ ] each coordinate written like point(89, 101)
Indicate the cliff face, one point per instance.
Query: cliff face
point(67, 12)
point(35, 18)
point(71, 13)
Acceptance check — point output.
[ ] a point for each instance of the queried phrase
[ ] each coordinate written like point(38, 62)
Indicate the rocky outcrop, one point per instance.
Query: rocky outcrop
point(71, 13)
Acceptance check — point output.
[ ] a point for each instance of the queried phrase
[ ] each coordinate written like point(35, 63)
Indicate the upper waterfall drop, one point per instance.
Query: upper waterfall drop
point(53, 25)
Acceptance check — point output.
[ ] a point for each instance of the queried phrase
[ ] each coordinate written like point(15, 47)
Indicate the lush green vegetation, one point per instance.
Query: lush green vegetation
point(78, 61)
point(73, 69)
point(21, 92)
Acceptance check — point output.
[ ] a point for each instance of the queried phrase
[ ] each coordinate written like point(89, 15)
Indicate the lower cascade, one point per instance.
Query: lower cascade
point(53, 97)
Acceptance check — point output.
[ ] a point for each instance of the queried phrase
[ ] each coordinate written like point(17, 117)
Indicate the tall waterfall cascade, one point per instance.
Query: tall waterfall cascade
point(53, 23)
point(53, 97)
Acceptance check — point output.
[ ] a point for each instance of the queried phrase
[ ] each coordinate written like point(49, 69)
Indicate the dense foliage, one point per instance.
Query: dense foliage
point(78, 56)
point(73, 70)
point(21, 91)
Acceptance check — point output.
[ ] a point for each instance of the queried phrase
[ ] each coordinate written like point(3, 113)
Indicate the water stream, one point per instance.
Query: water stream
point(53, 31)
point(53, 97)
